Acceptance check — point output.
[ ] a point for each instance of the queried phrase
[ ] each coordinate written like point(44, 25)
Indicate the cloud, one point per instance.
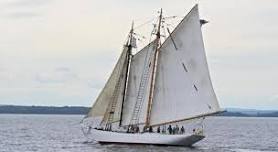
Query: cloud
point(18, 9)
point(26, 3)
point(58, 75)
point(18, 15)
point(63, 69)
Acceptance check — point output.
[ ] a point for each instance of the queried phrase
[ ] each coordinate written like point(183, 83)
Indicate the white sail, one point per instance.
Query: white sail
point(107, 95)
point(183, 88)
point(139, 62)
point(118, 94)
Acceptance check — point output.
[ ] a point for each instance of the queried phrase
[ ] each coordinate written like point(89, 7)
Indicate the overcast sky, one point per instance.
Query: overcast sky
point(60, 52)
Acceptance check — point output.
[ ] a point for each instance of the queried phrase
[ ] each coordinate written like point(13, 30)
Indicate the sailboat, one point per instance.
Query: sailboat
point(163, 84)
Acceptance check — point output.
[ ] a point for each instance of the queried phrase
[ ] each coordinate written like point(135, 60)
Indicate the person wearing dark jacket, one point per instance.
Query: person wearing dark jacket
point(182, 130)
point(151, 129)
point(158, 129)
point(170, 129)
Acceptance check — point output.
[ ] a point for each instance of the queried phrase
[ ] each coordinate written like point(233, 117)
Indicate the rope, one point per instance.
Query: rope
point(147, 22)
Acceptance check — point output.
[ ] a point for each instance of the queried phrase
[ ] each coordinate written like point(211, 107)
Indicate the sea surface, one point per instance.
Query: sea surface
point(62, 133)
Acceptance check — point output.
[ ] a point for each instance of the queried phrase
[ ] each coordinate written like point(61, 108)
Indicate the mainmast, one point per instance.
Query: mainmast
point(153, 74)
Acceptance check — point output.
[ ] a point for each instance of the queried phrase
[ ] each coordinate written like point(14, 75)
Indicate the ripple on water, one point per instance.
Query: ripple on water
point(62, 133)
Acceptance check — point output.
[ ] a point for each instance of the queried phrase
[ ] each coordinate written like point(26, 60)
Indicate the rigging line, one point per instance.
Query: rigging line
point(153, 32)
point(170, 25)
point(164, 33)
point(170, 35)
point(148, 21)
point(169, 17)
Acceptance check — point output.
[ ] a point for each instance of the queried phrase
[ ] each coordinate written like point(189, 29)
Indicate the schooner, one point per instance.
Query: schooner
point(163, 84)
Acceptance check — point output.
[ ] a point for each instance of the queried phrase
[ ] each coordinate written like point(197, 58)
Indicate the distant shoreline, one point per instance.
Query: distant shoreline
point(66, 110)
point(79, 110)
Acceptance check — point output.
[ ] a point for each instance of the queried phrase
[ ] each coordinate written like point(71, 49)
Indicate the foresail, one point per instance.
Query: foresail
point(112, 91)
point(139, 62)
point(183, 88)
point(114, 108)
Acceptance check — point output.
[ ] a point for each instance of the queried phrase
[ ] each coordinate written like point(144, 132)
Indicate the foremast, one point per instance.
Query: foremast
point(116, 105)
point(153, 74)
point(129, 44)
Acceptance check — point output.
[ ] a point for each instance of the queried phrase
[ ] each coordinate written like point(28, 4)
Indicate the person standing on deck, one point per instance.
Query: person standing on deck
point(170, 129)
point(158, 129)
point(177, 129)
point(182, 130)
point(151, 129)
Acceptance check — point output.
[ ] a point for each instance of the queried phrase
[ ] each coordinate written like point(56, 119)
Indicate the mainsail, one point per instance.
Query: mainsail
point(183, 88)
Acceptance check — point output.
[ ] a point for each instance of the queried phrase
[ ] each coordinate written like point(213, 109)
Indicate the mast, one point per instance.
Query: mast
point(129, 45)
point(150, 101)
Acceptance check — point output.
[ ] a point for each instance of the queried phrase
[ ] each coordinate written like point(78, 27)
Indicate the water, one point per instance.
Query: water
point(61, 133)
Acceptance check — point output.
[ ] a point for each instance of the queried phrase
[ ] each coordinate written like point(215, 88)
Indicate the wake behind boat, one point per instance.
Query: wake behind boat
point(151, 93)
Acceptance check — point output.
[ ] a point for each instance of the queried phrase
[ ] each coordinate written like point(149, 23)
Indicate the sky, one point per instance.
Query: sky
point(61, 52)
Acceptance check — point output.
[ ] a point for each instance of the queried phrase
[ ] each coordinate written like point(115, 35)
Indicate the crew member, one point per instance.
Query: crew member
point(158, 129)
point(170, 129)
point(182, 130)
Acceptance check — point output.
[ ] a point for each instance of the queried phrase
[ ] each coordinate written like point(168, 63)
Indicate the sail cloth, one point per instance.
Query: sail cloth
point(118, 95)
point(139, 63)
point(107, 95)
point(183, 87)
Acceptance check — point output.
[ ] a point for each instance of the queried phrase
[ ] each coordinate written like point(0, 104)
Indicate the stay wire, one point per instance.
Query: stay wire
point(147, 22)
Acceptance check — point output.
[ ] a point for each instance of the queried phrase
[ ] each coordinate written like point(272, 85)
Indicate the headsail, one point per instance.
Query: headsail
point(183, 87)
point(112, 91)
